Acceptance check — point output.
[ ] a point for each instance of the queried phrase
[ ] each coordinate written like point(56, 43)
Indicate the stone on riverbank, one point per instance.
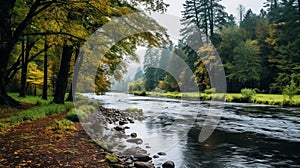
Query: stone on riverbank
point(143, 165)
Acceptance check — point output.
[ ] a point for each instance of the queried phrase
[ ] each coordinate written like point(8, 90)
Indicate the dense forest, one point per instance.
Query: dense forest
point(40, 42)
point(259, 51)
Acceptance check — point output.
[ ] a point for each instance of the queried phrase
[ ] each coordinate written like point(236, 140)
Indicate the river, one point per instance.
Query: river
point(247, 135)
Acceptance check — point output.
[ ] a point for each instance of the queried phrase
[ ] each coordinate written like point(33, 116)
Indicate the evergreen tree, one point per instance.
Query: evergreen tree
point(151, 62)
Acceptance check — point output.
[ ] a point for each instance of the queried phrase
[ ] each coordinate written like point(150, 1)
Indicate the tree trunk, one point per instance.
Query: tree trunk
point(24, 69)
point(45, 85)
point(62, 78)
point(70, 96)
point(77, 65)
point(5, 49)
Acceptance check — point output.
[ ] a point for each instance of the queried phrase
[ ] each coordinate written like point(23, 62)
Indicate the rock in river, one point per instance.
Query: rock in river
point(133, 135)
point(135, 140)
point(143, 165)
point(161, 153)
point(119, 128)
point(168, 164)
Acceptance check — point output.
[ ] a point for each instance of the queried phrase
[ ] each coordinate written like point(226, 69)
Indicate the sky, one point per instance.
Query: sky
point(231, 6)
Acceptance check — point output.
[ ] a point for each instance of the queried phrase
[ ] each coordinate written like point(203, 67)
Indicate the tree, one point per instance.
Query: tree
point(139, 74)
point(151, 62)
point(241, 10)
point(246, 67)
point(284, 38)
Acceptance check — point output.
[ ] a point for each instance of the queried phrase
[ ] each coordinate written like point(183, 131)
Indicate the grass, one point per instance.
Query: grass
point(270, 99)
point(38, 112)
point(62, 125)
point(43, 108)
point(135, 110)
point(30, 99)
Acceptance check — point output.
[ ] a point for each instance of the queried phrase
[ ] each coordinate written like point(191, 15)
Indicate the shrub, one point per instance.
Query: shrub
point(87, 108)
point(290, 90)
point(63, 125)
point(247, 93)
point(210, 91)
point(76, 115)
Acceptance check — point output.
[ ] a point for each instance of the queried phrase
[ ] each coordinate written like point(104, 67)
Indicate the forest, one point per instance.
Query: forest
point(41, 40)
point(259, 51)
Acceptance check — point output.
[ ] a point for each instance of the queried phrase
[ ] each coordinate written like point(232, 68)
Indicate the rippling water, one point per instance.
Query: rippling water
point(247, 135)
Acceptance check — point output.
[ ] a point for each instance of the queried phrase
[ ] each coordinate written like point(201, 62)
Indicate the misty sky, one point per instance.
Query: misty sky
point(175, 7)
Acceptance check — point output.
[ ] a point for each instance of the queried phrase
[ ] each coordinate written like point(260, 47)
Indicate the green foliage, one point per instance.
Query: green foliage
point(111, 158)
point(63, 125)
point(76, 115)
point(210, 91)
point(246, 67)
point(87, 108)
point(291, 90)
point(137, 85)
point(248, 93)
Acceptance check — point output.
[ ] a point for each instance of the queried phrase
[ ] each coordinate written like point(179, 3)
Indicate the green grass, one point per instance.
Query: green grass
point(62, 125)
point(38, 112)
point(133, 110)
point(270, 99)
point(43, 108)
point(31, 99)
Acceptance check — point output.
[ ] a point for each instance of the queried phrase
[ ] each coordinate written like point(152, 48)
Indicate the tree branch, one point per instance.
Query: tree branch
point(53, 33)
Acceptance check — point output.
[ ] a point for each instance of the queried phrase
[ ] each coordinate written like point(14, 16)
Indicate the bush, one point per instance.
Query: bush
point(63, 125)
point(76, 115)
point(247, 93)
point(290, 90)
point(210, 91)
point(87, 108)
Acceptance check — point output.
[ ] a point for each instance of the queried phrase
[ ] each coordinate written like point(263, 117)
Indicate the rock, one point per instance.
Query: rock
point(119, 128)
point(133, 135)
point(148, 146)
point(135, 140)
point(155, 156)
point(123, 122)
point(161, 153)
point(130, 120)
point(143, 165)
point(168, 164)
point(143, 158)
point(126, 127)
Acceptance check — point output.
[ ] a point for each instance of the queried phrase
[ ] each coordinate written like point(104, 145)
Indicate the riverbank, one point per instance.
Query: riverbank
point(268, 99)
point(48, 135)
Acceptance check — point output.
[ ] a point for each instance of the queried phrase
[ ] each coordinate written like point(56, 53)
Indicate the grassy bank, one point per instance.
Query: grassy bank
point(34, 108)
point(269, 99)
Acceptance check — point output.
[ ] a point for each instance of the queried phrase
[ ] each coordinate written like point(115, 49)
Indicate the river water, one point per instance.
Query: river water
point(247, 135)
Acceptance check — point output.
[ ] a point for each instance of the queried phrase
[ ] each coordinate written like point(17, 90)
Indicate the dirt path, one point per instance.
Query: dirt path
point(31, 145)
